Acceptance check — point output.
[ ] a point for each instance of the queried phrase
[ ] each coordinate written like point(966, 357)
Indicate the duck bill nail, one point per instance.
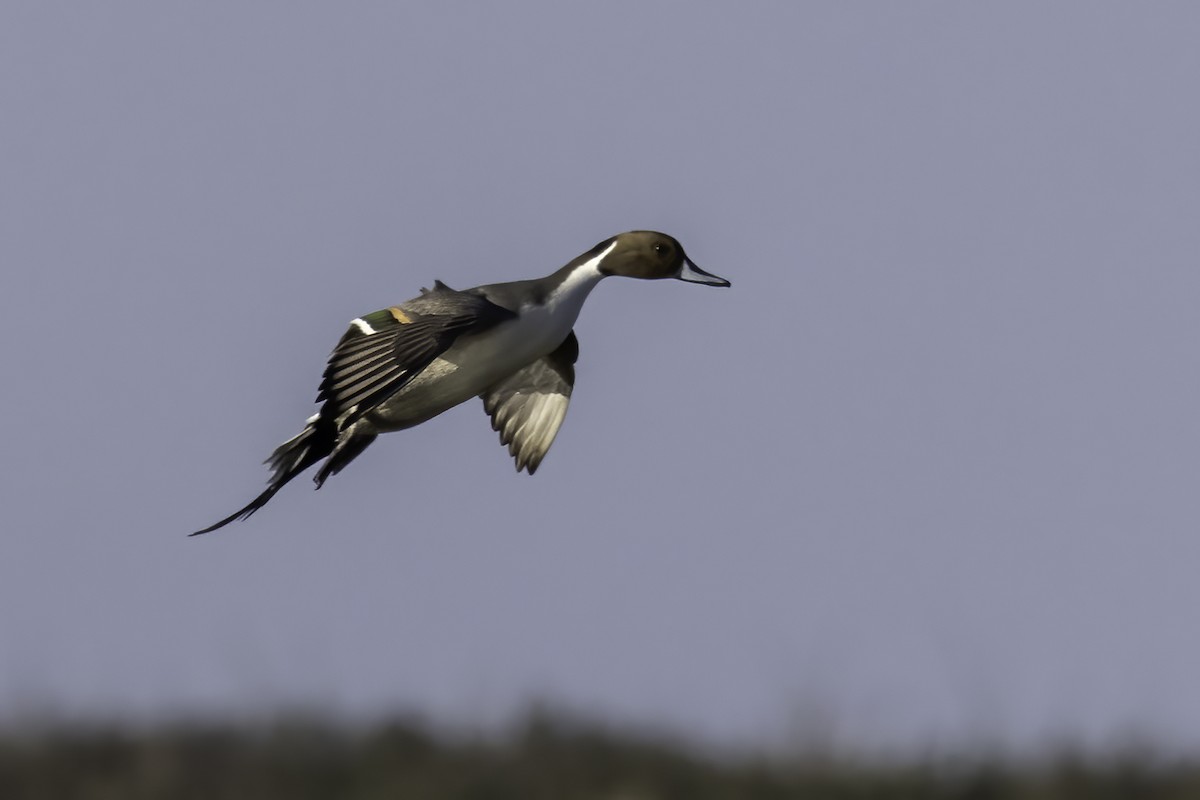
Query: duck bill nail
point(693, 274)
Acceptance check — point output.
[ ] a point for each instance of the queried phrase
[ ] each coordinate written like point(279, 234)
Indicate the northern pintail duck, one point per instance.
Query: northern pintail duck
point(510, 344)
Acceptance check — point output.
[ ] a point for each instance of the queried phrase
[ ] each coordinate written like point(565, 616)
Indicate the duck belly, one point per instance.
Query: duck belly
point(464, 371)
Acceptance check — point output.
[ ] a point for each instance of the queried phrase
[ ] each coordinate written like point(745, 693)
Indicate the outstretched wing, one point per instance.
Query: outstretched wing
point(377, 356)
point(383, 351)
point(528, 407)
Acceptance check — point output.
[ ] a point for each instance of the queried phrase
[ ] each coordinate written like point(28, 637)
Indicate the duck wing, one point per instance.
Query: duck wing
point(528, 407)
point(383, 351)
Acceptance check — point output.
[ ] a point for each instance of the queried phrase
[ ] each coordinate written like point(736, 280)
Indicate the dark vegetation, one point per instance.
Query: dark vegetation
point(544, 757)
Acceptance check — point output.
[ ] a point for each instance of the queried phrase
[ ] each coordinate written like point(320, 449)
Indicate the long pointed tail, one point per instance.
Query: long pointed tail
point(245, 512)
point(289, 460)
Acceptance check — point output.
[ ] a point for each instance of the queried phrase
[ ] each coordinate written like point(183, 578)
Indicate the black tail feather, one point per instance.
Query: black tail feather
point(245, 512)
point(289, 459)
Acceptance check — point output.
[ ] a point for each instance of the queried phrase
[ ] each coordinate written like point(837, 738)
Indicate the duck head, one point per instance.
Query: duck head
point(651, 255)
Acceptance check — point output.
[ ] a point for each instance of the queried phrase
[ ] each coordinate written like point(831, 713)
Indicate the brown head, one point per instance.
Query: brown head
point(650, 255)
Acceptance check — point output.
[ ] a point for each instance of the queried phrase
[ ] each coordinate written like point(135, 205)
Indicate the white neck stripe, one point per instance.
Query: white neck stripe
point(594, 261)
point(581, 279)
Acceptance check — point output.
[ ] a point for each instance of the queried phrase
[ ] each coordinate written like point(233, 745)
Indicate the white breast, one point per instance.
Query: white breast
point(475, 363)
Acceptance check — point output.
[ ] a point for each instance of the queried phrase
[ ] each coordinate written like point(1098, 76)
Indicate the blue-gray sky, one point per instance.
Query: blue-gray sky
point(927, 471)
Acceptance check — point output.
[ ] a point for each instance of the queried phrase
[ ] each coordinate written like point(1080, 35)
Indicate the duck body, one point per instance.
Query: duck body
point(511, 344)
point(542, 318)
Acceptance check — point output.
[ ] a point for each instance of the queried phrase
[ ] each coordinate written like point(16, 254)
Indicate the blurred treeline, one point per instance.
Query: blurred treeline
point(544, 757)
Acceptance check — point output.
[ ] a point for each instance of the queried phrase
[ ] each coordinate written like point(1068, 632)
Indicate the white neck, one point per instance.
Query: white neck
point(569, 295)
